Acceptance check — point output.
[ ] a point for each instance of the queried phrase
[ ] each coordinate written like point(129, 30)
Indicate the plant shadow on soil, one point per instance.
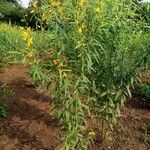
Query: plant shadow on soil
point(29, 124)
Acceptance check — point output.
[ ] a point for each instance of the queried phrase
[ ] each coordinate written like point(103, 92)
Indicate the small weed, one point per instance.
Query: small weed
point(3, 112)
point(6, 92)
point(146, 134)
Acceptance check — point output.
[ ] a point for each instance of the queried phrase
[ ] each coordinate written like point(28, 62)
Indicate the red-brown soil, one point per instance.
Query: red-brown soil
point(30, 126)
point(132, 131)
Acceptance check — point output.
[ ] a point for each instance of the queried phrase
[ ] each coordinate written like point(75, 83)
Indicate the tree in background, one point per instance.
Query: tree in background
point(34, 15)
point(11, 11)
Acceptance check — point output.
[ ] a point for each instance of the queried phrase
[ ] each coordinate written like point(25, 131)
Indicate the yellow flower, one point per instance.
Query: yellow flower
point(44, 17)
point(29, 41)
point(91, 134)
point(34, 5)
point(24, 35)
point(79, 30)
point(65, 74)
point(83, 25)
point(97, 10)
point(82, 2)
point(55, 62)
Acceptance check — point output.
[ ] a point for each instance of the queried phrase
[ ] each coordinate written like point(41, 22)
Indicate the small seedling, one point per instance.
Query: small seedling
point(3, 112)
point(6, 91)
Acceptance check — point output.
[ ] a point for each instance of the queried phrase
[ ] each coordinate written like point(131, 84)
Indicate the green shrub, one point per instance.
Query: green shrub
point(94, 54)
point(144, 12)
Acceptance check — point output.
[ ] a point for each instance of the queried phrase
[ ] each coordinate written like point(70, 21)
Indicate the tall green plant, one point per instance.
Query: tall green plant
point(92, 62)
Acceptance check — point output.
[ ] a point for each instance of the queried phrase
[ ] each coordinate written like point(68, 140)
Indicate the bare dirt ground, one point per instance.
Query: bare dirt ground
point(30, 126)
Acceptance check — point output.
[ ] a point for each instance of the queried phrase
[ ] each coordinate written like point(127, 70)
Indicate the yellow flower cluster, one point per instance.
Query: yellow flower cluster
point(80, 29)
point(57, 62)
point(29, 41)
point(91, 134)
point(99, 10)
point(27, 38)
point(34, 7)
point(30, 52)
point(24, 35)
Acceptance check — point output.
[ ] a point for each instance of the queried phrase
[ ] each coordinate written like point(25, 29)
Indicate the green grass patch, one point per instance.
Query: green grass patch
point(143, 90)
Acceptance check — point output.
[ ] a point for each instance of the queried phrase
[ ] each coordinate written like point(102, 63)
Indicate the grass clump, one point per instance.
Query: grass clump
point(143, 90)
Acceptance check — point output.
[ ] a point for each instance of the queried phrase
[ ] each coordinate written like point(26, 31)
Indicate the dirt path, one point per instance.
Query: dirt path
point(29, 126)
